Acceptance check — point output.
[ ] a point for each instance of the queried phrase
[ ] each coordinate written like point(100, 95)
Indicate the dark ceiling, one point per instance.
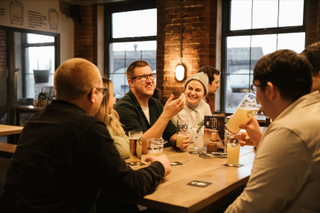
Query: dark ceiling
point(88, 2)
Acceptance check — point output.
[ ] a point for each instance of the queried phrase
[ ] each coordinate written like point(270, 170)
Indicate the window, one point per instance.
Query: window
point(132, 37)
point(252, 29)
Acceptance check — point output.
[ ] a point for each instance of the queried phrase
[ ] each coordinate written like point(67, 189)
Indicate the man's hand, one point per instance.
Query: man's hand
point(163, 160)
point(171, 108)
point(254, 133)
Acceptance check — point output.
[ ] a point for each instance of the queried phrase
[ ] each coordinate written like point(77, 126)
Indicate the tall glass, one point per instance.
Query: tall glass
point(247, 108)
point(233, 148)
point(182, 131)
point(135, 139)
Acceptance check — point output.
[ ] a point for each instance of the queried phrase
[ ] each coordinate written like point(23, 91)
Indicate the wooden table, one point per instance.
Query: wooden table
point(25, 108)
point(10, 130)
point(7, 150)
point(174, 195)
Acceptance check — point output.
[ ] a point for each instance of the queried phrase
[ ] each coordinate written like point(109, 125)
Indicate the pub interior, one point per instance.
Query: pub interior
point(176, 38)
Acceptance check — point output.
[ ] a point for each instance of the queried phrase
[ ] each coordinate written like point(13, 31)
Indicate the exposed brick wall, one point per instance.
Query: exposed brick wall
point(312, 22)
point(85, 34)
point(199, 40)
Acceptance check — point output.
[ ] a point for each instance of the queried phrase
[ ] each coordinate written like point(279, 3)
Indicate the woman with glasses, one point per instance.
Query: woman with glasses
point(111, 118)
point(196, 88)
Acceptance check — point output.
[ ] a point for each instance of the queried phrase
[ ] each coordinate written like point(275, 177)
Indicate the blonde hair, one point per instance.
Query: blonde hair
point(75, 78)
point(103, 111)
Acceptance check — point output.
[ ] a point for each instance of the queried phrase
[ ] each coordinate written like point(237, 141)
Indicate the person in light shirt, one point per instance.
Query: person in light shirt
point(195, 90)
point(286, 171)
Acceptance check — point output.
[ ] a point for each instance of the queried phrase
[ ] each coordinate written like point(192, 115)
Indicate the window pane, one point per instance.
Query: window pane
point(122, 54)
point(262, 45)
point(40, 69)
point(149, 18)
point(291, 13)
point(292, 41)
point(237, 86)
point(134, 23)
point(264, 13)
point(240, 15)
point(34, 38)
point(238, 54)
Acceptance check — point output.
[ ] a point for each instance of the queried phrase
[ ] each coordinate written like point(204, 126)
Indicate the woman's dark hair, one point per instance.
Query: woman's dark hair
point(288, 71)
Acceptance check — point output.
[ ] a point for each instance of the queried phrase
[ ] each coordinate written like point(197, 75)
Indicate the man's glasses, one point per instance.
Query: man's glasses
point(254, 88)
point(145, 77)
point(103, 90)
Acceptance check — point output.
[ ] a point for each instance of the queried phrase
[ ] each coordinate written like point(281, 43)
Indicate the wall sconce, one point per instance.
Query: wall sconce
point(180, 72)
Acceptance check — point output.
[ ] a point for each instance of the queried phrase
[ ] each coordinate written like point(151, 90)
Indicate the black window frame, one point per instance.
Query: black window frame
point(226, 32)
point(122, 7)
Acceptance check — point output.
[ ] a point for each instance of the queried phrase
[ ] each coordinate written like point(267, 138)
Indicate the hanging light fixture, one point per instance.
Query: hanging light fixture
point(180, 70)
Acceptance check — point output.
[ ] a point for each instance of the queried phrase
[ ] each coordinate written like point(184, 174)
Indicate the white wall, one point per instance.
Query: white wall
point(41, 16)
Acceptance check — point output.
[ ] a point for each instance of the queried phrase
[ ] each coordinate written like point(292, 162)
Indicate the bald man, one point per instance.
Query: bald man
point(65, 154)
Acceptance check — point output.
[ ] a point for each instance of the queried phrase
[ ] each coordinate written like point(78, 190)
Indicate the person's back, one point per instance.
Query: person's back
point(53, 160)
point(65, 155)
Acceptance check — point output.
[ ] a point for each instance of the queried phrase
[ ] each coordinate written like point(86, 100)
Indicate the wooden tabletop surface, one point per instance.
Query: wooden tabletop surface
point(10, 130)
point(7, 150)
point(174, 195)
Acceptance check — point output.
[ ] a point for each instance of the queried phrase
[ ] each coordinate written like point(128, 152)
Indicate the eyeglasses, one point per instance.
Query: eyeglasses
point(145, 77)
point(254, 87)
point(103, 90)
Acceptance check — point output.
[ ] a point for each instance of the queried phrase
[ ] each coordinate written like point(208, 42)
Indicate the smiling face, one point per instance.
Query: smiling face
point(194, 92)
point(139, 88)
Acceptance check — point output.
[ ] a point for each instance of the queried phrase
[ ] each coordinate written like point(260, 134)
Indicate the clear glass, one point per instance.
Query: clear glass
point(40, 69)
point(240, 15)
point(265, 14)
point(122, 54)
point(292, 41)
point(291, 13)
point(134, 23)
point(34, 38)
point(262, 45)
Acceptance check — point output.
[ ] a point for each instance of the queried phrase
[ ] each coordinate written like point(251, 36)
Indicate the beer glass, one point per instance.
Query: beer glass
point(135, 139)
point(247, 108)
point(182, 131)
point(233, 148)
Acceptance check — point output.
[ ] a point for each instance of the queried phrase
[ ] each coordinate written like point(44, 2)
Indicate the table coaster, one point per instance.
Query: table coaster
point(175, 163)
point(234, 165)
point(136, 164)
point(195, 152)
point(199, 183)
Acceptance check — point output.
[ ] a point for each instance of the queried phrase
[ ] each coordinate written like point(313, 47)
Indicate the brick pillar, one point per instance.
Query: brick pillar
point(85, 34)
point(198, 43)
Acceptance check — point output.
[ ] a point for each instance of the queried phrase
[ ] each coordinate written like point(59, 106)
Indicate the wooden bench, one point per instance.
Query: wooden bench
point(7, 150)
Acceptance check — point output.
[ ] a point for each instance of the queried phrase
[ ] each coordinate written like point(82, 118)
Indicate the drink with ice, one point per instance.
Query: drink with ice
point(155, 146)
